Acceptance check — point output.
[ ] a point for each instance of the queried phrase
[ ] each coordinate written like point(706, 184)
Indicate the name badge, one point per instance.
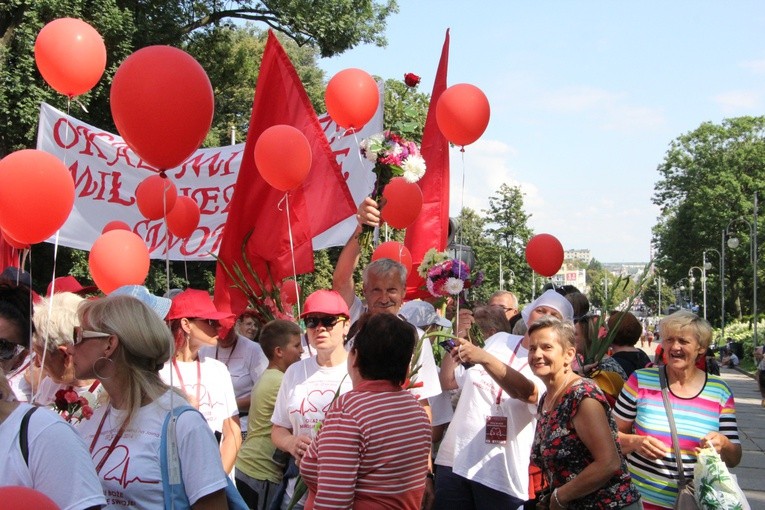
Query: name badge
point(496, 430)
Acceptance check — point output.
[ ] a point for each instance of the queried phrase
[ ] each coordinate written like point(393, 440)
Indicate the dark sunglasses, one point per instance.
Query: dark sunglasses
point(79, 335)
point(326, 321)
point(211, 322)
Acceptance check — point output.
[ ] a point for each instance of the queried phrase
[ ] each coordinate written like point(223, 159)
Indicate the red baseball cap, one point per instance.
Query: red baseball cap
point(197, 304)
point(69, 284)
point(327, 302)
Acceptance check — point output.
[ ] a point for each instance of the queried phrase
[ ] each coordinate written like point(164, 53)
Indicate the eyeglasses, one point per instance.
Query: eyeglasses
point(327, 321)
point(212, 322)
point(505, 308)
point(79, 335)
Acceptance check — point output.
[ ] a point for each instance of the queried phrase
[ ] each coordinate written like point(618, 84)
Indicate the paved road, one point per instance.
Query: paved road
point(751, 428)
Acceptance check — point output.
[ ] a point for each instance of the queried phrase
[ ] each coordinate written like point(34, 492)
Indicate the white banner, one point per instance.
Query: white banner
point(106, 173)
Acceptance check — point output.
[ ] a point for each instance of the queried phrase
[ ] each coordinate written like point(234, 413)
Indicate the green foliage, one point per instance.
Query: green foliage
point(405, 110)
point(708, 180)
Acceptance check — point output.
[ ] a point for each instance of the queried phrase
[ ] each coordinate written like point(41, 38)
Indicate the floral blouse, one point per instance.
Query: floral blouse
point(562, 455)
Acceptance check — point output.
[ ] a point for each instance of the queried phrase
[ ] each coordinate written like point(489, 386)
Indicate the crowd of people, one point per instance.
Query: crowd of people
point(358, 409)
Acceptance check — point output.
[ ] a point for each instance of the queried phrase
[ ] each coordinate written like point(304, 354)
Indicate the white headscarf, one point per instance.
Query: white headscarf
point(550, 299)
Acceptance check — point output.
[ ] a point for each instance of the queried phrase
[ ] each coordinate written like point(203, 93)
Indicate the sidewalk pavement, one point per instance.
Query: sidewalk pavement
point(751, 430)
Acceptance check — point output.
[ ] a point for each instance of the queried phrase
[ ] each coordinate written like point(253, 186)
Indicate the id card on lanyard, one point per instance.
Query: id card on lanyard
point(496, 423)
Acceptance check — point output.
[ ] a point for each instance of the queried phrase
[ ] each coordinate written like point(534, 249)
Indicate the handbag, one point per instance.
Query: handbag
point(172, 482)
point(686, 498)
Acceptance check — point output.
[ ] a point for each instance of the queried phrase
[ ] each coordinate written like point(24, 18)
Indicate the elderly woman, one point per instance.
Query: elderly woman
point(124, 344)
point(702, 405)
point(54, 319)
point(310, 384)
point(483, 461)
point(576, 439)
point(375, 440)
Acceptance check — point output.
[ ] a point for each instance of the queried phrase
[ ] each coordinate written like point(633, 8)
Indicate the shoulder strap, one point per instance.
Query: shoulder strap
point(24, 434)
point(172, 482)
point(672, 427)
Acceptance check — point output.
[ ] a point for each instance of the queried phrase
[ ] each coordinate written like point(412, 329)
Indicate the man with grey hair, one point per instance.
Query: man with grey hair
point(507, 301)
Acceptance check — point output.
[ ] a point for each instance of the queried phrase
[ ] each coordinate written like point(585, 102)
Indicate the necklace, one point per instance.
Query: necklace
point(549, 405)
point(236, 341)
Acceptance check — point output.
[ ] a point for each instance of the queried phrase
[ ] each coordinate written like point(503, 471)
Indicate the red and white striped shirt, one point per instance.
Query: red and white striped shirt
point(372, 451)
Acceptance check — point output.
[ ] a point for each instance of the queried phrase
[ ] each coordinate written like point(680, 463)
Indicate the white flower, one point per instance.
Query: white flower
point(453, 286)
point(372, 146)
point(414, 168)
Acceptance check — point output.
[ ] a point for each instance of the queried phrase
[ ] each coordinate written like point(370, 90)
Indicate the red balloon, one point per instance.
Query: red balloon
point(283, 156)
point(36, 195)
point(183, 220)
point(118, 258)
point(544, 253)
point(70, 55)
point(404, 203)
point(352, 98)
point(462, 113)
point(14, 243)
point(162, 104)
point(115, 225)
point(289, 292)
point(395, 251)
point(156, 197)
point(24, 497)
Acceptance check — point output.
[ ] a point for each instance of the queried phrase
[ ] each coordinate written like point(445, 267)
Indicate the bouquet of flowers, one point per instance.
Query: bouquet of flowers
point(448, 277)
point(71, 406)
point(393, 156)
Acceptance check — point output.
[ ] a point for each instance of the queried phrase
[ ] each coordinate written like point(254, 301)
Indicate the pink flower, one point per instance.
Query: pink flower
point(87, 412)
point(602, 333)
point(411, 80)
point(71, 396)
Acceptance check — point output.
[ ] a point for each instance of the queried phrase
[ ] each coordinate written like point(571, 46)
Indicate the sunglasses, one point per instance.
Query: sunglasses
point(79, 335)
point(211, 322)
point(326, 321)
point(9, 350)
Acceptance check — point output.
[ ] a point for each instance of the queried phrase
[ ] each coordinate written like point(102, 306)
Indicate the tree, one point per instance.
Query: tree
point(709, 177)
point(405, 110)
point(128, 25)
point(507, 234)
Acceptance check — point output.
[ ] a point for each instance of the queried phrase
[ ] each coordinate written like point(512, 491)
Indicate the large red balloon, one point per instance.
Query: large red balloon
point(118, 258)
point(462, 113)
point(395, 251)
point(283, 156)
point(36, 195)
point(544, 253)
point(70, 55)
point(184, 218)
point(352, 98)
point(115, 225)
point(155, 197)
point(403, 203)
point(25, 497)
point(162, 104)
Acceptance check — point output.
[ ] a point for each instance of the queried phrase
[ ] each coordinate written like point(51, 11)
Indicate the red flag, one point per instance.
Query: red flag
point(431, 227)
point(258, 208)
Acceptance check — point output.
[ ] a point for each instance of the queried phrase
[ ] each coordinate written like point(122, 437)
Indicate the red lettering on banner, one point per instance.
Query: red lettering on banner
point(106, 187)
point(89, 187)
point(157, 239)
point(206, 198)
point(340, 156)
point(214, 164)
point(228, 194)
point(89, 138)
point(227, 170)
point(121, 152)
point(217, 234)
point(61, 142)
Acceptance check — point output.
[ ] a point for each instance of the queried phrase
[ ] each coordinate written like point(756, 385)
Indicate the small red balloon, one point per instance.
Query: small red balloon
point(70, 55)
point(462, 113)
point(14, 243)
point(289, 292)
point(36, 195)
point(544, 253)
point(283, 156)
point(25, 497)
point(395, 251)
point(183, 220)
point(156, 197)
point(115, 225)
point(403, 203)
point(118, 258)
point(162, 104)
point(352, 98)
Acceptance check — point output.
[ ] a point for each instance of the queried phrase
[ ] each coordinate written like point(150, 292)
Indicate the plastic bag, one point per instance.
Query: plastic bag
point(716, 488)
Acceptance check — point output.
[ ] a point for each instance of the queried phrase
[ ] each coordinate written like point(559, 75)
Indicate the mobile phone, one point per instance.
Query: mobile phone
point(447, 344)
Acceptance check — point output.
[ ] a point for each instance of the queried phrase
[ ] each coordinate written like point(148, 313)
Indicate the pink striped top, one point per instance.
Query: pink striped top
point(372, 451)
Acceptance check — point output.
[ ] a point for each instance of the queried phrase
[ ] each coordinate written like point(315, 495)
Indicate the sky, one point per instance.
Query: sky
point(585, 96)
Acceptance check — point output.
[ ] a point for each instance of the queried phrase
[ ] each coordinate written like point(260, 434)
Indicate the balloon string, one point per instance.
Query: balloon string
point(186, 272)
point(292, 250)
point(459, 237)
point(165, 187)
point(376, 231)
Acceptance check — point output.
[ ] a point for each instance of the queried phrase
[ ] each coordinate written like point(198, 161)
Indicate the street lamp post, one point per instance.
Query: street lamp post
point(605, 285)
point(706, 265)
point(692, 280)
point(658, 282)
point(733, 243)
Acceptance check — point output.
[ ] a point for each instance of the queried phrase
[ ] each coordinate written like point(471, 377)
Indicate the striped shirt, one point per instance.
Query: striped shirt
point(372, 451)
point(640, 402)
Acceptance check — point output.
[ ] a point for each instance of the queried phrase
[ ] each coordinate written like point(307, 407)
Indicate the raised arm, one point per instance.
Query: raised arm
point(342, 278)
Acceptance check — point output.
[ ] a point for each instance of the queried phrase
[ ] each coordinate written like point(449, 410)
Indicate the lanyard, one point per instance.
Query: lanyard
point(113, 444)
point(94, 386)
point(199, 378)
point(510, 364)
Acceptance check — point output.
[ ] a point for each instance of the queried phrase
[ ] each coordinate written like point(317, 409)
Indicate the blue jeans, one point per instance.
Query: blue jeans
point(454, 491)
